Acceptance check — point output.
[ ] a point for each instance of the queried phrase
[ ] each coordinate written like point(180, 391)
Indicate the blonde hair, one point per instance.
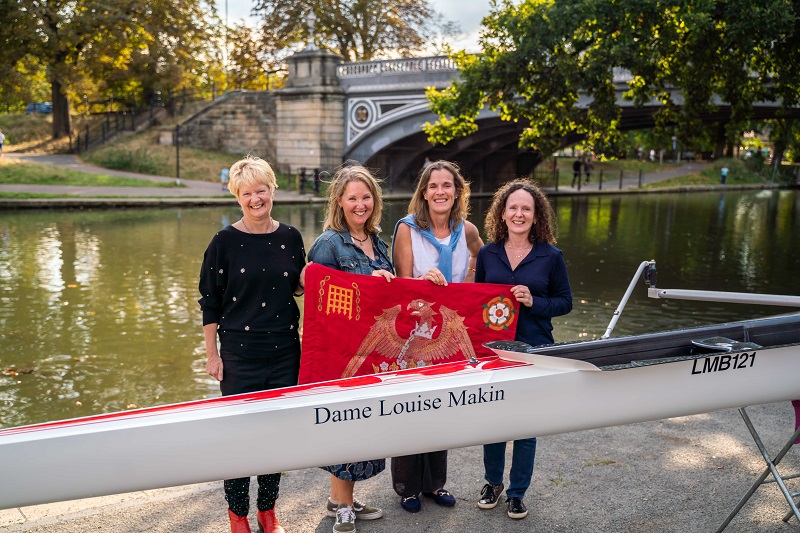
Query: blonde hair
point(544, 223)
point(419, 206)
point(251, 171)
point(334, 214)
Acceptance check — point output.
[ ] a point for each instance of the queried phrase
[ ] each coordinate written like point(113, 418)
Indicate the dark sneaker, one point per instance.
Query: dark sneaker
point(411, 504)
point(362, 510)
point(441, 497)
point(345, 519)
point(516, 509)
point(490, 495)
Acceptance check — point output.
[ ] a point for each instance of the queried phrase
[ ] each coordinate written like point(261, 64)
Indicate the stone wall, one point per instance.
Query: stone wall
point(310, 130)
point(299, 126)
point(242, 122)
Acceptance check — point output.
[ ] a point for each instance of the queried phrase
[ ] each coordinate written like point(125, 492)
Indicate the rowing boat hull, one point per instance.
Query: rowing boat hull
point(442, 407)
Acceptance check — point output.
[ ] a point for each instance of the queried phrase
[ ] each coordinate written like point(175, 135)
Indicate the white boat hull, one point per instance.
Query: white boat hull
point(452, 405)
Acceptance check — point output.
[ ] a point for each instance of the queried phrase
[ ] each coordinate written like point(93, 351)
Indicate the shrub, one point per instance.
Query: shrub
point(140, 160)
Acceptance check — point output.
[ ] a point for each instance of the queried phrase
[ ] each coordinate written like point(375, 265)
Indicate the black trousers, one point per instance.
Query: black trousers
point(242, 374)
point(421, 472)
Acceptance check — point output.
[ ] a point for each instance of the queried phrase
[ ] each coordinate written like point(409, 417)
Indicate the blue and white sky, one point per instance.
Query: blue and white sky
point(468, 13)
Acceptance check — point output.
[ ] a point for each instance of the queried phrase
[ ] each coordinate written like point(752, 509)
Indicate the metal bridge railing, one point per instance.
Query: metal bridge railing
point(412, 65)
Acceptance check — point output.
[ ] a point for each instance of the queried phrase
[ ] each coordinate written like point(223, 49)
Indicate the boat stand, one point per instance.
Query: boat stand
point(772, 468)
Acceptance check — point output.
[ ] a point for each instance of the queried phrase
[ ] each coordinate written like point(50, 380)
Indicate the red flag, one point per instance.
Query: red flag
point(355, 325)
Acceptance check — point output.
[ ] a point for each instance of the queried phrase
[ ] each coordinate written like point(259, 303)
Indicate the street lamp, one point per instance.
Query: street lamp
point(311, 20)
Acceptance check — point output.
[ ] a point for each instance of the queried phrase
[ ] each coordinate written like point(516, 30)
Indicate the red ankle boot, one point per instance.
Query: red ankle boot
point(239, 524)
point(268, 522)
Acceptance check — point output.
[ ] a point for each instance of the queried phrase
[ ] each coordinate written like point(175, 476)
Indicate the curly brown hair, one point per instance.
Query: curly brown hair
point(544, 222)
point(419, 206)
point(334, 215)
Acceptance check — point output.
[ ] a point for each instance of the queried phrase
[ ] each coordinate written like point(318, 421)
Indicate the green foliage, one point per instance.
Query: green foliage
point(121, 47)
point(140, 160)
point(551, 65)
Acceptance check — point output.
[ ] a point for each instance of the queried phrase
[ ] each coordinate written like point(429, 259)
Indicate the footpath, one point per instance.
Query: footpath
point(195, 192)
point(678, 475)
point(675, 475)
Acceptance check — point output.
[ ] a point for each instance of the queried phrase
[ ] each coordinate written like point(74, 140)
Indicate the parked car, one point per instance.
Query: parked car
point(39, 107)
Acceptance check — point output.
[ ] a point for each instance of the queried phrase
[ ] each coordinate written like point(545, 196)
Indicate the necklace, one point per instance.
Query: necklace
point(522, 253)
point(271, 224)
point(360, 241)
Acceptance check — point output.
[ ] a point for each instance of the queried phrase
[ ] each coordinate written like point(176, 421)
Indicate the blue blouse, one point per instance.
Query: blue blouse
point(337, 250)
point(544, 272)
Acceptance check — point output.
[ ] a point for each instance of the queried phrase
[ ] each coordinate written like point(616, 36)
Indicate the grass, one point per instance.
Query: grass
point(131, 151)
point(27, 195)
point(598, 462)
point(740, 173)
point(561, 481)
point(22, 129)
point(23, 173)
point(610, 168)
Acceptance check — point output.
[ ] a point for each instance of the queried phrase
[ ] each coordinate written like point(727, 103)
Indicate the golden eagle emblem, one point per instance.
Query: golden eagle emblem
point(420, 348)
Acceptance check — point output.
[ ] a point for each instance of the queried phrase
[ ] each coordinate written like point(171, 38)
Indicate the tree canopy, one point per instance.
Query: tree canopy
point(550, 64)
point(359, 30)
point(120, 46)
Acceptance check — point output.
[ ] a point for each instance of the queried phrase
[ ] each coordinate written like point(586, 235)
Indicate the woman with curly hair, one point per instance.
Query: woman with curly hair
point(520, 227)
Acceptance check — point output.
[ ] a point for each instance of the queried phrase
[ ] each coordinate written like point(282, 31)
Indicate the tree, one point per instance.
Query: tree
point(250, 65)
point(541, 57)
point(110, 40)
point(359, 30)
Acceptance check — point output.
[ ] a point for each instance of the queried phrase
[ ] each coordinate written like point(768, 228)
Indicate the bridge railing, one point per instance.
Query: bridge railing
point(412, 65)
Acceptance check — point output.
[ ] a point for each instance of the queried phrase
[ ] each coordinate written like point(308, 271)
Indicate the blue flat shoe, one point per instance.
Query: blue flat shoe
point(441, 497)
point(411, 504)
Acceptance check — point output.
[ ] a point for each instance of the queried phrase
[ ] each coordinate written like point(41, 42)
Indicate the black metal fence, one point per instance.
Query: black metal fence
point(104, 119)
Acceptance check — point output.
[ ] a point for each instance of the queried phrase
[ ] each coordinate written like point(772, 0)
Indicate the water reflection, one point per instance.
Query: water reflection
point(99, 309)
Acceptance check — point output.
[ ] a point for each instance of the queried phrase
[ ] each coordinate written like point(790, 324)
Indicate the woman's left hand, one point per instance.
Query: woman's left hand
point(385, 274)
point(523, 295)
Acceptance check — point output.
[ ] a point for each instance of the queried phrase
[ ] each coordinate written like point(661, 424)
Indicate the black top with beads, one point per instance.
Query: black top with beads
point(247, 283)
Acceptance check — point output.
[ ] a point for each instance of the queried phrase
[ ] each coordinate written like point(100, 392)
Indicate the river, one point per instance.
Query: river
point(99, 310)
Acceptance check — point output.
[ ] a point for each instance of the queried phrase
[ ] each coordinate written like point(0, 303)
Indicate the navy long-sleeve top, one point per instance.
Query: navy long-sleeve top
point(544, 272)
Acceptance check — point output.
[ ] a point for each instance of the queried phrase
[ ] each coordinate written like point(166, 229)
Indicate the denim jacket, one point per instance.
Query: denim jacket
point(337, 250)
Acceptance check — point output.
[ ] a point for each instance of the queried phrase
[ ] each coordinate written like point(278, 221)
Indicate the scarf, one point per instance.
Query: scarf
point(445, 252)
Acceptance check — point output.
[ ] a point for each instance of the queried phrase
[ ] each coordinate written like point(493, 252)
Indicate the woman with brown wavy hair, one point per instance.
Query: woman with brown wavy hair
point(520, 226)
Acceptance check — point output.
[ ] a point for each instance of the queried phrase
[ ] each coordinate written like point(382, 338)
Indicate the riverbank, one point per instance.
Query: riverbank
point(201, 193)
point(676, 475)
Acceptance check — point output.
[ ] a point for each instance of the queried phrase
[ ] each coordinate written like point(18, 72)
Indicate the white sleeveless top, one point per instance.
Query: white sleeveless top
point(426, 256)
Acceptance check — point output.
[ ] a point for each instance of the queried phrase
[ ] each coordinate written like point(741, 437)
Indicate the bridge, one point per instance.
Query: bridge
point(373, 112)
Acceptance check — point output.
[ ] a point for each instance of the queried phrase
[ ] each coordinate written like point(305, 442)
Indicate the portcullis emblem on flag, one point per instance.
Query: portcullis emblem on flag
point(356, 324)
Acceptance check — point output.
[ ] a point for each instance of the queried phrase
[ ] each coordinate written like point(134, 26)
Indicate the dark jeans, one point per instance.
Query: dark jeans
point(245, 374)
point(421, 472)
point(494, 460)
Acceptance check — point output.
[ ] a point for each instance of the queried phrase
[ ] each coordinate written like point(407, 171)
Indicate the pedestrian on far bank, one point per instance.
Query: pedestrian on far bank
point(724, 174)
point(576, 172)
point(520, 227)
point(587, 169)
point(251, 271)
point(2, 138)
